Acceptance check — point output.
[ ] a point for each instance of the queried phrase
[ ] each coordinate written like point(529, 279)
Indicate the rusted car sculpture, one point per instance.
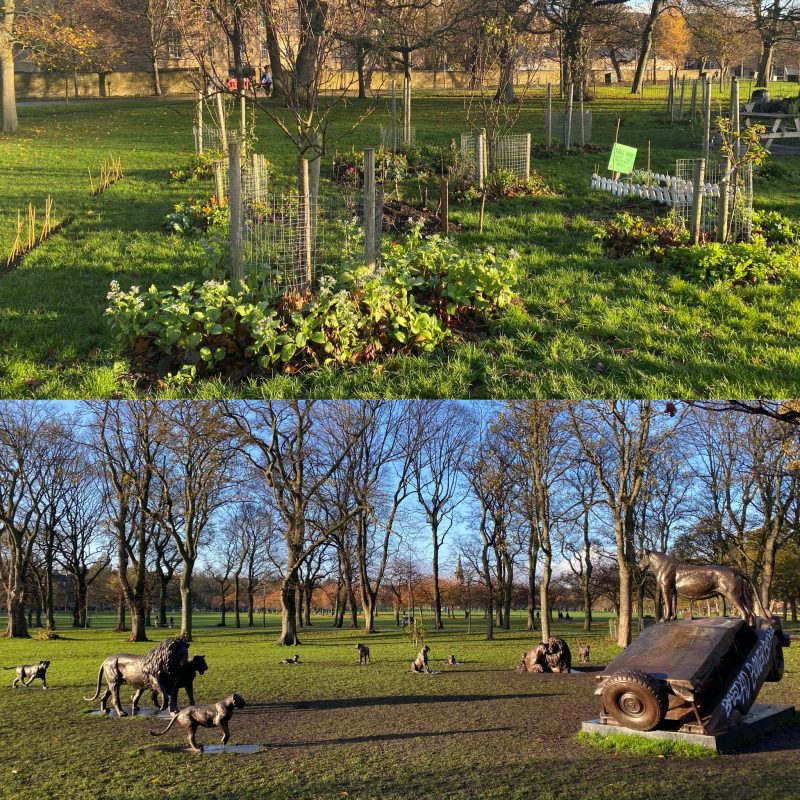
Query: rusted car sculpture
point(695, 676)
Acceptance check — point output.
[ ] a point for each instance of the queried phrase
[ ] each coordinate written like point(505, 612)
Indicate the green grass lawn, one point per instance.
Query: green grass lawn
point(588, 326)
point(333, 729)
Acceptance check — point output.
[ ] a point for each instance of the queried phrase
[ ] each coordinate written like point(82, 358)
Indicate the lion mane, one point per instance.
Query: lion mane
point(165, 660)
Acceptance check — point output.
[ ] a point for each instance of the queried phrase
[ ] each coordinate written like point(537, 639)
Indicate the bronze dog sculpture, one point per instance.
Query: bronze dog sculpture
point(295, 659)
point(189, 670)
point(157, 670)
point(551, 656)
point(27, 673)
point(213, 715)
point(583, 653)
point(363, 654)
point(693, 582)
point(452, 661)
point(420, 663)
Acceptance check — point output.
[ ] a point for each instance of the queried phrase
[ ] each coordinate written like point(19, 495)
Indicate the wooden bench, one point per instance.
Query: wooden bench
point(779, 126)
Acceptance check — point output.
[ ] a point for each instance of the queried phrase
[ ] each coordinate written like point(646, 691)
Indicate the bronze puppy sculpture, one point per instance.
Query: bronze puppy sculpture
point(420, 663)
point(694, 582)
point(189, 670)
point(452, 661)
point(583, 653)
point(27, 673)
point(213, 715)
point(363, 654)
point(295, 659)
point(550, 656)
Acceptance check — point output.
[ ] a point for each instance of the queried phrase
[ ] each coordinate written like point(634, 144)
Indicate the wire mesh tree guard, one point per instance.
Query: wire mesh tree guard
point(481, 155)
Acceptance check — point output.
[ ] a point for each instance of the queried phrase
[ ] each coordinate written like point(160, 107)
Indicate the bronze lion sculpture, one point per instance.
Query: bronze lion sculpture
point(694, 582)
point(213, 715)
point(157, 670)
point(551, 656)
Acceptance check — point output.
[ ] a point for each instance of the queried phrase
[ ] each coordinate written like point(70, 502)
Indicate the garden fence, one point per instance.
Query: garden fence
point(480, 156)
point(209, 139)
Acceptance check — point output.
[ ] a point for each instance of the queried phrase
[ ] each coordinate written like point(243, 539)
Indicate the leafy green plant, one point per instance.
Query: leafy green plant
point(199, 168)
point(736, 264)
point(424, 286)
point(348, 166)
point(776, 228)
point(626, 235)
point(194, 216)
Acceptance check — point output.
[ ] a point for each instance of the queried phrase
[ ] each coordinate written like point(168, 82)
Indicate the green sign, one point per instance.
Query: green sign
point(622, 159)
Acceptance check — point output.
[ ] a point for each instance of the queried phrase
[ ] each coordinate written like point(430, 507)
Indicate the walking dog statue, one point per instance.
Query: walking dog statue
point(695, 582)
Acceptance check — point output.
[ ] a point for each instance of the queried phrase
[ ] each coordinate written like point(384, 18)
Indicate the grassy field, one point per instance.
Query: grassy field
point(333, 729)
point(588, 326)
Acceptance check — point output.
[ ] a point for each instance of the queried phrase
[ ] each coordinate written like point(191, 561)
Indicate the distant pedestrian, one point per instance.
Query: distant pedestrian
point(266, 82)
point(171, 622)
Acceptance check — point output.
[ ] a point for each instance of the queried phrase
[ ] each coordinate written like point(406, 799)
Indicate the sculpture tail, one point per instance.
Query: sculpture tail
point(171, 723)
point(99, 683)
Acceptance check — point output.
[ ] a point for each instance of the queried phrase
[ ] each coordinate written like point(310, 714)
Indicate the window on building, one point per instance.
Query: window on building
point(174, 45)
point(264, 50)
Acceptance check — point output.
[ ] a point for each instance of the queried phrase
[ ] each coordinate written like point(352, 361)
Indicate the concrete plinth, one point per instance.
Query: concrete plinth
point(211, 749)
point(761, 719)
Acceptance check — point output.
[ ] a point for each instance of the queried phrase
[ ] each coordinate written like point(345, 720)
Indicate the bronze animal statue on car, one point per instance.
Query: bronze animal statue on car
point(27, 673)
point(694, 582)
point(212, 715)
point(157, 670)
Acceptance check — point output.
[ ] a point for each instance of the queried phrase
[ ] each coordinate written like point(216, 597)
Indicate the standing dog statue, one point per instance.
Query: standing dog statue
point(213, 715)
point(693, 582)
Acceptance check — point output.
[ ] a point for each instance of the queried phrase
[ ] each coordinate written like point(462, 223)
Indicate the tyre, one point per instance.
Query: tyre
point(635, 699)
point(776, 671)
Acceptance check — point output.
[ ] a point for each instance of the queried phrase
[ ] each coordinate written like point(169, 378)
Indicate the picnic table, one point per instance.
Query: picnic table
point(779, 126)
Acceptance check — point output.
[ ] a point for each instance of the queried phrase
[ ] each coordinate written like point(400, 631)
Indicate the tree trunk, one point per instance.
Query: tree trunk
point(236, 602)
point(587, 600)
point(437, 596)
point(487, 576)
point(544, 587)
point(647, 44)
point(162, 600)
point(156, 77)
point(16, 626)
point(625, 597)
point(9, 122)
point(288, 612)
point(360, 62)
point(251, 607)
point(186, 601)
point(138, 621)
point(765, 63)
point(122, 607)
point(308, 588)
point(223, 610)
point(300, 604)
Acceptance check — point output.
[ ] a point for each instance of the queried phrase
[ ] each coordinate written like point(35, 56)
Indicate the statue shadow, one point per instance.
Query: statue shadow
point(399, 700)
point(386, 737)
point(144, 712)
point(208, 749)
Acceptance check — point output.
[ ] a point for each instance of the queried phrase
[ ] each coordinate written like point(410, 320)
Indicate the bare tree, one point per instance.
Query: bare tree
point(194, 470)
point(445, 438)
point(619, 440)
point(296, 450)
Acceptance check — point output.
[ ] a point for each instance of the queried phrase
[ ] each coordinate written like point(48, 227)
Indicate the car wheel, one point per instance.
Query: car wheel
point(635, 699)
point(776, 670)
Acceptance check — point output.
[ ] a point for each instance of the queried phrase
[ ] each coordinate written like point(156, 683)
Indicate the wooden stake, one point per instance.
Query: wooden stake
point(236, 234)
point(369, 208)
point(444, 206)
point(697, 200)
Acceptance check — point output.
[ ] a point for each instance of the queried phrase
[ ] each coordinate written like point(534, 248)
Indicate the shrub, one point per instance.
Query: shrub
point(776, 228)
point(348, 167)
point(200, 167)
point(626, 235)
point(194, 216)
point(196, 329)
point(736, 264)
